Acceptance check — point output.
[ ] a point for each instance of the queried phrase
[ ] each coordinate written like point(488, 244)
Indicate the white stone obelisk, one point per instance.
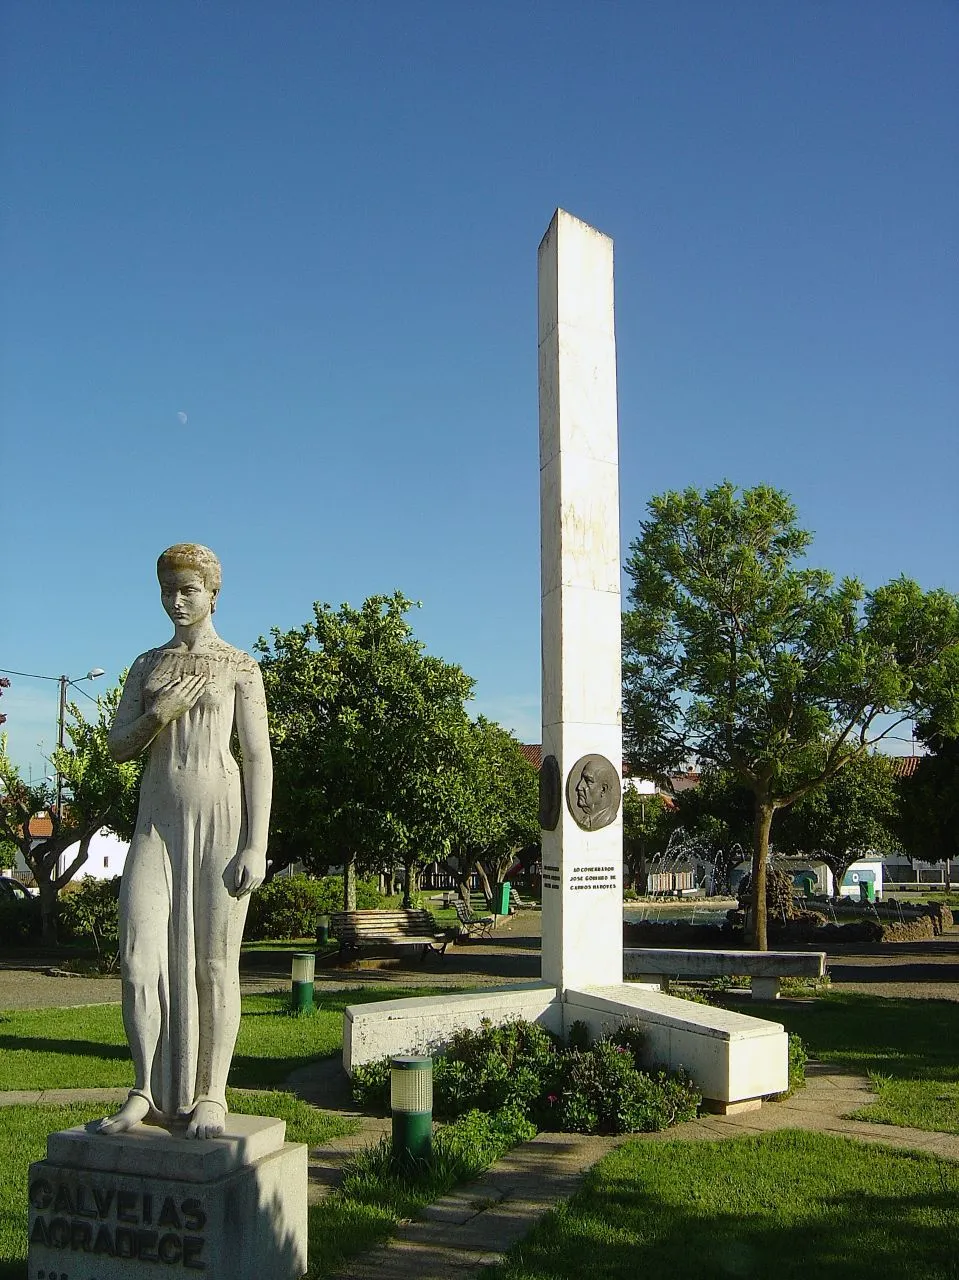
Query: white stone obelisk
point(581, 623)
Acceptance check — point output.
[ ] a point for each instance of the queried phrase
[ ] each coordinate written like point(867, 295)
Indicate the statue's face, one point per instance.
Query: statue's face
point(185, 597)
point(590, 790)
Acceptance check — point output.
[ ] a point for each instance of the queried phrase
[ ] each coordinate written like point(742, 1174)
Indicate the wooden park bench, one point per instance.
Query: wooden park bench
point(517, 903)
point(657, 965)
point(359, 929)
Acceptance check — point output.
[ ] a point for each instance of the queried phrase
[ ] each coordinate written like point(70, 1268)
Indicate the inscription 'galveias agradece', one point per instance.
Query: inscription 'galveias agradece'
point(582, 685)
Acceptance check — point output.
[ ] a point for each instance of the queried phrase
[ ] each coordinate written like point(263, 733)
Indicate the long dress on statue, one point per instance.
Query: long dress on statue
point(181, 928)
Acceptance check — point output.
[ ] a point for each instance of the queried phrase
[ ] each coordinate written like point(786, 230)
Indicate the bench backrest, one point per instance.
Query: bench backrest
point(463, 912)
point(370, 923)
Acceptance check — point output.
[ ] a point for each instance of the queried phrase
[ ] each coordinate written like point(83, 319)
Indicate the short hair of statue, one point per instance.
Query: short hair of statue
point(192, 555)
point(604, 772)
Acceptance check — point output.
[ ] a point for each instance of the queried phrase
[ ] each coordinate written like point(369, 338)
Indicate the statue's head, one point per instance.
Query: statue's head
point(191, 557)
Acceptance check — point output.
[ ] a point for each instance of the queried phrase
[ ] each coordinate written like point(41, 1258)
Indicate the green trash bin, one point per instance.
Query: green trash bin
point(867, 891)
point(501, 899)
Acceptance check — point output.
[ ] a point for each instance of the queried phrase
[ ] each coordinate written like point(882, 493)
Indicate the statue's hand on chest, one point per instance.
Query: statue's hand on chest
point(169, 694)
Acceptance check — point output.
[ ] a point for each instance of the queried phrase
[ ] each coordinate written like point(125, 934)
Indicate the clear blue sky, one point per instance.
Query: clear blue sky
point(312, 227)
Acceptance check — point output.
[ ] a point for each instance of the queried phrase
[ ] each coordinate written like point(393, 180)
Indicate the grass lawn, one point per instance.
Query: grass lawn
point(782, 1206)
point(909, 1047)
point(86, 1047)
point(23, 1139)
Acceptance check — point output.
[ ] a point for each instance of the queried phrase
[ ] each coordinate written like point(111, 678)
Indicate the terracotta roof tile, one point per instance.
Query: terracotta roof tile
point(905, 766)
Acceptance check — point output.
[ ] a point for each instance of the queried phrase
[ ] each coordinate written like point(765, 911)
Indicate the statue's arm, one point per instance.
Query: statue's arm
point(133, 728)
point(253, 731)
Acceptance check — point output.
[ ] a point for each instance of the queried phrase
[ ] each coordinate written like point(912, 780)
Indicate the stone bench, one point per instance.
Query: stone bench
point(360, 929)
point(654, 966)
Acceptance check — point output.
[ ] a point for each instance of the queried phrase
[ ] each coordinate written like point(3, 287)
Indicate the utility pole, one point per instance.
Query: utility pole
point(64, 681)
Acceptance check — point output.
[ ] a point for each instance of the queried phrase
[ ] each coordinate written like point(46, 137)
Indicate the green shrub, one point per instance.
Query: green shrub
point(493, 1067)
point(19, 919)
point(520, 1068)
point(603, 1090)
point(289, 907)
point(797, 1063)
point(89, 911)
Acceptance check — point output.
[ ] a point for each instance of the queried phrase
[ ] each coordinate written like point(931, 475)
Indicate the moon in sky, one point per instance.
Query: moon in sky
point(182, 417)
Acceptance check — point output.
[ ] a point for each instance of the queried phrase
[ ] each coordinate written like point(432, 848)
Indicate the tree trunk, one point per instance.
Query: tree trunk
point(349, 883)
point(410, 884)
point(839, 870)
point(48, 911)
point(761, 827)
point(487, 891)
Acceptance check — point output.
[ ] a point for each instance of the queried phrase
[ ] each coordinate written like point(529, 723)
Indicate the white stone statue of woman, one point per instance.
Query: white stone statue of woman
point(198, 850)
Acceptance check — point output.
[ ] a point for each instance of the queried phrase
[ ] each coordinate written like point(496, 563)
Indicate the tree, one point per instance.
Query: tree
point(737, 653)
point(928, 818)
point(493, 807)
point(851, 814)
point(717, 816)
point(99, 793)
point(366, 729)
point(648, 823)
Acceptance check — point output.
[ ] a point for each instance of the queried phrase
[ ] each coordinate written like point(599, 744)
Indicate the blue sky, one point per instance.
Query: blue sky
point(311, 228)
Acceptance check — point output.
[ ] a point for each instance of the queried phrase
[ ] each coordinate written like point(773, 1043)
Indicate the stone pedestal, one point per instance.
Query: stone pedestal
point(148, 1203)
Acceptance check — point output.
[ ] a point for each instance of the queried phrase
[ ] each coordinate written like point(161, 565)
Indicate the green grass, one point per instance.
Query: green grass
point(23, 1139)
point(86, 1047)
point(918, 1104)
point(376, 1196)
point(909, 1047)
point(785, 1206)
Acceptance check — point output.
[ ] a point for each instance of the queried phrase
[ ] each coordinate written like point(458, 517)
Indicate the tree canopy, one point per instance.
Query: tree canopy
point(98, 792)
point(928, 815)
point(853, 813)
point(493, 806)
point(367, 731)
point(648, 823)
point(740, 654)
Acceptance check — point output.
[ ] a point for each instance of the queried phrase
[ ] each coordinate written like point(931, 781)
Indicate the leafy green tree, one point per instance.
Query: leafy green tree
point(493, 807)
point(739, 654)
point(648, 823)
point(928, 816)
point(98, 793)
point(365, 727)
point(851, 814)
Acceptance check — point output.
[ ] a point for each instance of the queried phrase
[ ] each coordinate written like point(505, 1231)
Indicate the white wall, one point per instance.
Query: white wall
point(105, 859)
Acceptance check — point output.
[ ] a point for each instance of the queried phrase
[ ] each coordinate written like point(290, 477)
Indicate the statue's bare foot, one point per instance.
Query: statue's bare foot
point(134, 1110)
point(207, 1119)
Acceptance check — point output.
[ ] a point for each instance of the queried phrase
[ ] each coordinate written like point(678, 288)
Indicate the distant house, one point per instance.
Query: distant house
point(105, 857)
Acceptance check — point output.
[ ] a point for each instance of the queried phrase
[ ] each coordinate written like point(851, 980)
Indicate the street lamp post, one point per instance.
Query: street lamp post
point(644, 788)
point(64, 682)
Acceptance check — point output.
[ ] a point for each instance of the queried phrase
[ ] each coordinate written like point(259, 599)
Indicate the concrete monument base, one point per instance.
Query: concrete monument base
point(733, 1059)
point(137, 1204)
